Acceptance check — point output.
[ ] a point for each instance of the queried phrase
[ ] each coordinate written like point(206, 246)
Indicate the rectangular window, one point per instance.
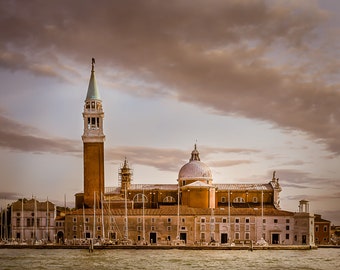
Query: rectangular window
point(275, 220)
point(247, 227)
point(212, 220)
point(325, 228)
point(183, 228)
point(152, 220)
point(287, 236)
point(287, 228)
point(86, 220)
point(139, 220)
point(254, 199)
point(223, 199)
point(183, 220)
point(139, 228)
point(202, 236)
point(202, 219)
point(74, 228)
point(18, 222)
point(224, 220)
point(169, 228)
point(264, 220)
point(247, 220)
point(169, 220)
point(87, 228)
point(237, 220)
point(237, 227)
point(287, 220)
point(247, 235)
point(316, 228)
point(18, 214)
point(237, 236)
point(153, 228)
point(202, 227)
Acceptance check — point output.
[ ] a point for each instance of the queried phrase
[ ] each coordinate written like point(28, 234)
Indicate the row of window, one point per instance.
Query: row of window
point(238, 200)
point(93, 105)
point(325, 228)
point(202, 220)
point(30, 222)
point(32, 214)
point(93, 123)
point(138, 198)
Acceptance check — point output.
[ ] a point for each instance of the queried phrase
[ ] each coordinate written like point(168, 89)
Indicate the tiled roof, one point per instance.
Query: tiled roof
point(243, 186)
point(29, 205)
point(187, 211)
point(115, 190)
point(198, 184)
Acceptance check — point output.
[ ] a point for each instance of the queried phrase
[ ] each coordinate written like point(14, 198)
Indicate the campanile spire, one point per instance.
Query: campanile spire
point(93, 143)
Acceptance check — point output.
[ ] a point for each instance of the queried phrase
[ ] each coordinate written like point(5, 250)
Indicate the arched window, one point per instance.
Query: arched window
point(138, 198)
point(169, 199)
point(238, 200)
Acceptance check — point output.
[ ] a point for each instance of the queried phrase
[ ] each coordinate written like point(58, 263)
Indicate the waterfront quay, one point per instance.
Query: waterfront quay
point(167, 247)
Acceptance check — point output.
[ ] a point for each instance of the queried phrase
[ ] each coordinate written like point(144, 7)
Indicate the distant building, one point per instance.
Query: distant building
point(335, 235)
point(29, 221)
point(194, 209)
point(322, 231)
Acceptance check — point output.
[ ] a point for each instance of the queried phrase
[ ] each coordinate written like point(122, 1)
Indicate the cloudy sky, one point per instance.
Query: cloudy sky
point(255, 83)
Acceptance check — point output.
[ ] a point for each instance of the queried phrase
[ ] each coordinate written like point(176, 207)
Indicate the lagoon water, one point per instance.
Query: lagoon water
point(169, 259)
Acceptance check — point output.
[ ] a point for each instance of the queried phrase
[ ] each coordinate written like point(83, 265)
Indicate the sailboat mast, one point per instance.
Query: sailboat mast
point(229, 231)
point(103, 224)
point(22, 220)
point(126, 216)
point(84, 228)
point(47, 220)
point(94, 216)
point(143, 219)
point(262, 212)
point(178, 212)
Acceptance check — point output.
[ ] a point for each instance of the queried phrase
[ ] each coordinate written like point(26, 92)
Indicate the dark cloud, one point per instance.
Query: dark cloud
point(160, 158)
point(9, 196)
point(169, 159)
point(304, 180)
point(18, 137)
point(314, 198)
point(228, 163)
point(294, 163)
point(258, 59)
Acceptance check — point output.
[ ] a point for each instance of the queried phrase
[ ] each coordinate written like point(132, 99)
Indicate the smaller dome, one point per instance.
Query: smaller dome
point(195, 168)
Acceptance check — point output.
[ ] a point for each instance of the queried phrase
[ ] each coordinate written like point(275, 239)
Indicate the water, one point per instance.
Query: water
point(169, 259)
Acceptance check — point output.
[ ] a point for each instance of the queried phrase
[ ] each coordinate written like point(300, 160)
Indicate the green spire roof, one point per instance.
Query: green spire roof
point(92, 91)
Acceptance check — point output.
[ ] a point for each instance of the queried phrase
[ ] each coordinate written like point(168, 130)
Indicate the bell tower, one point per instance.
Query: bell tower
point(93, 144)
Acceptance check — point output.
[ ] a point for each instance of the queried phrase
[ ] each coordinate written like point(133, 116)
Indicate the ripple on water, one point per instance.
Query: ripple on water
point(168, 259)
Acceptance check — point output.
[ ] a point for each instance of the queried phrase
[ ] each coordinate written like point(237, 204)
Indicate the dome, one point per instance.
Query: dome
point(195, 168)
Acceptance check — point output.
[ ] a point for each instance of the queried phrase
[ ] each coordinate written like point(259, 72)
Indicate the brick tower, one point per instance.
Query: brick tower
point(93, 140)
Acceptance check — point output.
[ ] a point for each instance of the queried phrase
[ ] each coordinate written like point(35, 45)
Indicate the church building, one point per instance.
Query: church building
point(192, 210)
